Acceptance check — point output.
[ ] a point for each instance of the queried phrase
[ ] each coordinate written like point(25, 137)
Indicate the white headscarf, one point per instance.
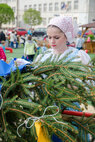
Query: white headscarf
point(65, 24)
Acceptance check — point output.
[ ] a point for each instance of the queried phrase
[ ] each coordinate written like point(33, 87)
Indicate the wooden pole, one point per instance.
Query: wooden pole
point(83, 31)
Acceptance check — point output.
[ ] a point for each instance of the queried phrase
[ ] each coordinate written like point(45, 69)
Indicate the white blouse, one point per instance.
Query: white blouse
point(80, 56)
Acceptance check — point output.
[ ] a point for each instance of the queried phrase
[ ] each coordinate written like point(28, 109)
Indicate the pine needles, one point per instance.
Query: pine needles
point(28, 93)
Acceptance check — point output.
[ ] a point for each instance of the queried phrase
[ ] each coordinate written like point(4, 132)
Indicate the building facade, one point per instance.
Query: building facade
point(82, 11)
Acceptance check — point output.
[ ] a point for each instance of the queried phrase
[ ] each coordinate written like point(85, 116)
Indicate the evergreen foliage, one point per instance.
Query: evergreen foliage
point(52, 85)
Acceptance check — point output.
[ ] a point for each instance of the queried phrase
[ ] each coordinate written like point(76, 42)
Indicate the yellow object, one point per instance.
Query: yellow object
point(42, 132)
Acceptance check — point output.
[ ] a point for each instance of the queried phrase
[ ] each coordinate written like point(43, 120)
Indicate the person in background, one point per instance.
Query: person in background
point(2, 36)
point(2, 54)
point(29, 32)
point(8, 40)
point(12, 39)
point(22, 40)
point(39, 45)
point(30, 48)
point(3, 43)
point(43, 48)
point(16, 41)
point(79, 42)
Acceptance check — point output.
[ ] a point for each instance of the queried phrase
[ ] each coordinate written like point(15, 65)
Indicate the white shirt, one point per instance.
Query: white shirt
point(12, 37)
point(81, 56)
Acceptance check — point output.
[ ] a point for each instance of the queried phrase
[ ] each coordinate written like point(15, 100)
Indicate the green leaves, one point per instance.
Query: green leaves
point(6, 14)
point(32, 17)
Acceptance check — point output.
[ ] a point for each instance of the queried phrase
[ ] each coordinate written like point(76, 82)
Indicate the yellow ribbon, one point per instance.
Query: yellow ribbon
point(42, 132)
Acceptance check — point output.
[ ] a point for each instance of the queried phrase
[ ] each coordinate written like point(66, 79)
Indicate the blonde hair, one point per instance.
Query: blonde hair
point(2, 42)
point(29, 37)
point(39, 43)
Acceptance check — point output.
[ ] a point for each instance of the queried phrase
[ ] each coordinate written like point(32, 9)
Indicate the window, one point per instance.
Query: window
point(63, 5)
point(25, 7)
point(68, 6)
point(44, 21)
point(45, 7)
point(56, 8)
point(75, 19)
point(49, 19)
point(14, 9)
point(39, 7)
point(19, 23)
point(35, 6)
point(50, 7)
point(14, 22)
point(75, 4)
point(21, 30)
point(30, 6)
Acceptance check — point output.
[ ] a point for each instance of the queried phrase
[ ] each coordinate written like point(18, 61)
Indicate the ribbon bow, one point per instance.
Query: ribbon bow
point(36, 119)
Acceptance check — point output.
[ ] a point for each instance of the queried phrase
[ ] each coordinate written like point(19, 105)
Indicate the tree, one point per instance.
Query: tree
point(32, 17)
point(6, 14)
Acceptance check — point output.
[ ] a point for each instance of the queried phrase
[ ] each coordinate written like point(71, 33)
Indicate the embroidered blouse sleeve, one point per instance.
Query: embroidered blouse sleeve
point(85, 58)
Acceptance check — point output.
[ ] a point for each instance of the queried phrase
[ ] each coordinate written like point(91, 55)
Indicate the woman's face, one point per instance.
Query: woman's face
point(57, 39)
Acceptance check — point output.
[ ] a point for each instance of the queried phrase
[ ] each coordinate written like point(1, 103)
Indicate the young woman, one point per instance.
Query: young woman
point(61, 30)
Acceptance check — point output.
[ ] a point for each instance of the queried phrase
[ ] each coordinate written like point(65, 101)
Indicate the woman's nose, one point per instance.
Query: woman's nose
point(52, 40)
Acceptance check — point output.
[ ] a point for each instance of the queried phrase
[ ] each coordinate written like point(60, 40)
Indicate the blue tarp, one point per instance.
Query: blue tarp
point(6, 68)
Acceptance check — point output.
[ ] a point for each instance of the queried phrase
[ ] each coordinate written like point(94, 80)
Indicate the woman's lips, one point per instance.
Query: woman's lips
point(53, 45)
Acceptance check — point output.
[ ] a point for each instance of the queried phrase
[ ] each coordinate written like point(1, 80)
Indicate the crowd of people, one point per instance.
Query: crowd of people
point(13, 40)
point(31, 46)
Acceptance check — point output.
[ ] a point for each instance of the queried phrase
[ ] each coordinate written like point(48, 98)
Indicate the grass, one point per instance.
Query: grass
point(92, 55)
point(19, 52)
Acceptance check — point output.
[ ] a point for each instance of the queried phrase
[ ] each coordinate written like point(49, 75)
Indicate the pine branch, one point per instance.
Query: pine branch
point(53, 82)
